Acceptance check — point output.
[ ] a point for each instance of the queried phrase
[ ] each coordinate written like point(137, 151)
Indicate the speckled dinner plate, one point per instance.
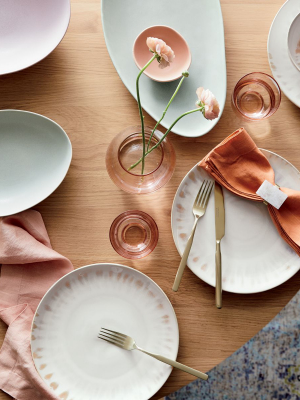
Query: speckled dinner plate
point(76, 364)
point(254, 256)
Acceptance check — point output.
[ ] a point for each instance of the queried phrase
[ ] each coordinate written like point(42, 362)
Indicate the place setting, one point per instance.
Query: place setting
point(254, 256)
point(82, 324)
point(107, 330)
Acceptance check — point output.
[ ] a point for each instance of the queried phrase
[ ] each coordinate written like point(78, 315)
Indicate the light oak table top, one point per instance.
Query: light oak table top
point(78, 87)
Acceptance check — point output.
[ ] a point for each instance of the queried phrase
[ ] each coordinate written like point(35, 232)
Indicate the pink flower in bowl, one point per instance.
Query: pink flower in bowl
point(165, 55)
point(207, 100)
point(173, 43)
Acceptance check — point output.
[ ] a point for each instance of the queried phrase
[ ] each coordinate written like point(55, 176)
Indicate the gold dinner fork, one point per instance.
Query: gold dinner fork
point(127, 343)
point(199, 208)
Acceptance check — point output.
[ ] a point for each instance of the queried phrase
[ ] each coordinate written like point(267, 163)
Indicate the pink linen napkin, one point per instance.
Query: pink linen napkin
point(29, 268)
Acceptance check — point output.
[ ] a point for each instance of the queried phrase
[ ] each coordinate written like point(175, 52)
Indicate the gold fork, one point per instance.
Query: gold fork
point(199, 208)
point(127, 343)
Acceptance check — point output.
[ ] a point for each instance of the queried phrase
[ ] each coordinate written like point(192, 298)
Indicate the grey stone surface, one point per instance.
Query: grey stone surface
point(267, 367)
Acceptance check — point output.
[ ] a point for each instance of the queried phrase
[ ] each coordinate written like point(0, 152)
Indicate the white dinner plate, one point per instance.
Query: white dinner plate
point(283, 69)
point(30, 30)
point(254, 256)
point(35, 155)
point(201, 25)
point(67, 352)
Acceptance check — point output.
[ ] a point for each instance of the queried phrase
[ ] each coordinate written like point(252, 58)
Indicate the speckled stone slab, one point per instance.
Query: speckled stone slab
point(267, 367)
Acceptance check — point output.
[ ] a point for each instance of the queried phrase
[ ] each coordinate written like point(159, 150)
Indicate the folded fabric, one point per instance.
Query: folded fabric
point(238, 165)
point(29, 268)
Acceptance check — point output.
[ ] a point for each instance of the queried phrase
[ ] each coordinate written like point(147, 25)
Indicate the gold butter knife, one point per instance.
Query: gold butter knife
point(220, 232)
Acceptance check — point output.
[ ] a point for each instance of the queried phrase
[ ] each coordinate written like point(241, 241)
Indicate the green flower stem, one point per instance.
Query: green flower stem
point(166, 109)
point(164, 136)
point(140, 108)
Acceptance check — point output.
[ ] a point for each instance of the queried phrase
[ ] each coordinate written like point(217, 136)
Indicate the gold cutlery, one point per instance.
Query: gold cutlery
point(220, 231)
point(199, 208)
point(127, 343)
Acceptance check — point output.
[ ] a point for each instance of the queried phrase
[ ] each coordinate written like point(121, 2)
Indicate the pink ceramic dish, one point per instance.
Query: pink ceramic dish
point(30, 30)
point(173, 39)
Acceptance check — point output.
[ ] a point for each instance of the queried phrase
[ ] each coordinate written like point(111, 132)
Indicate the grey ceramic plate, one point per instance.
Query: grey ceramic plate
point(35, 154)
point(200, 22)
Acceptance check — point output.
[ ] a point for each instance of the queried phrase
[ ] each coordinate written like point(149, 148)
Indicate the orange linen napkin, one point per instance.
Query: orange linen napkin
point(29, 268)
point(238, 165)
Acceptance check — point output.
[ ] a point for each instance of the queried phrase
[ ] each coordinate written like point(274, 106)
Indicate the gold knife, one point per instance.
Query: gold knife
point(220, 232)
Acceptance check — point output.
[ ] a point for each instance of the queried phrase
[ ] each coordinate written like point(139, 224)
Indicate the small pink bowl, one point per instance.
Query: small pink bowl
point(173, 39)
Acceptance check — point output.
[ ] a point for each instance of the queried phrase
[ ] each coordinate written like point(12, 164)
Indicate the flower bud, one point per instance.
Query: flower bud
point(185, 73)
point(207, 100)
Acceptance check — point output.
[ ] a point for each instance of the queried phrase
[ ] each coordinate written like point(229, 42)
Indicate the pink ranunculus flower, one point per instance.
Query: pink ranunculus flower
point(164, 52)
point(210, 103)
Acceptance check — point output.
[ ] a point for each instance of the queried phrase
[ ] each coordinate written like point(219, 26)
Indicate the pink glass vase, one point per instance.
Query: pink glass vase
point(126, 149)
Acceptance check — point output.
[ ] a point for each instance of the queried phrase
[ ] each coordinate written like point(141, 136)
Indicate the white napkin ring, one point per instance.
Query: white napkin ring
point(271, 194)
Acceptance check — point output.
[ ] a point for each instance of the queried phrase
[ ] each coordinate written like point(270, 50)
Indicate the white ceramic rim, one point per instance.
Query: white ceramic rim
point(114, 265)
point(290, 54)
point(52, 49)
point(71, 154)
point(268, 50)
point(229, 291)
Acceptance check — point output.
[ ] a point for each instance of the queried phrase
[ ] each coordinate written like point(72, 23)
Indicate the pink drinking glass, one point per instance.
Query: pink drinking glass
point(133, 234)
point(256, 96)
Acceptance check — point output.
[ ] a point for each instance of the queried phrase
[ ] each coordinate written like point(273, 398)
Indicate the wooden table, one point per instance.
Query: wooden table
point(78, 87)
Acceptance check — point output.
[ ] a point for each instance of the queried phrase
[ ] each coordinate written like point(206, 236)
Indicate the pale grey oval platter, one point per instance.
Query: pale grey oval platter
point(200, 22)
